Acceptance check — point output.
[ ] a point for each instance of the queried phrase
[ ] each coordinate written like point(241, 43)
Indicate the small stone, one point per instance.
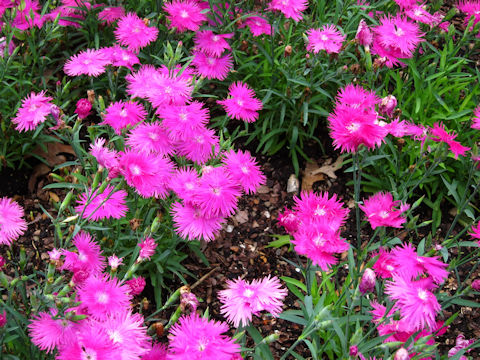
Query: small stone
point(229, 228)
point(263, 190)
point(266, 213)
point(293, 185)
point(36, 232)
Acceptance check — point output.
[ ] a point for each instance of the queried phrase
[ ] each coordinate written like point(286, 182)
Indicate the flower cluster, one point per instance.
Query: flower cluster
point(315, 225)
point(414, 279)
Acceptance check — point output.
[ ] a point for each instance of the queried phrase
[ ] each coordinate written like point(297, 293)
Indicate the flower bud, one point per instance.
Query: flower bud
point(353, 350)
point(387, 105)
point(401, 354)
point(136, 285)
point(3, 319)
point(367, 284)
point(83, 108)
point(364, 34)
point(476, 285)
point(114, 262)
point(188, 300)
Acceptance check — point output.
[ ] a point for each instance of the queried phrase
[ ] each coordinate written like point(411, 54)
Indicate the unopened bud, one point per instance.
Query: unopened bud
point(353, 350)
point(401, 354)
point(288, 50)
point(367, 284)
point(476, 285)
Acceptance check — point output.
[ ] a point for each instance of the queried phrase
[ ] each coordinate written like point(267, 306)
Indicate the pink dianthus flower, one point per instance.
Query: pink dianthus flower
point(241, 103)
point(385, 264)
point(48, 333)
point(200, 147)
point(34, 111)
point(105, 157)
point(108, 204)
point(257, 25)
point(11, 223)
point(151, 138)
point(193, 223)
point(185, 183)
point(290, 8)
point(164, 89)
point(136, 285)
point(133, 33)
point(104, 297)
point(111, 13)
point(88, 257)
point(120, 115)
point(242, 299)
point(120, 56)
point(212, 67)
point(243, 169)
point(380, 210)
point(212, 44)
point(83, 108)
point(147, 248)
point(198, 338)
point(184, 15)
point(89, 62)
point(328, 38)
point(185, 121)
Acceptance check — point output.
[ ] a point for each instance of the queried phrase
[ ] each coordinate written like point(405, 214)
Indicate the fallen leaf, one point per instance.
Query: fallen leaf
point(314, 173)
point(241, 216)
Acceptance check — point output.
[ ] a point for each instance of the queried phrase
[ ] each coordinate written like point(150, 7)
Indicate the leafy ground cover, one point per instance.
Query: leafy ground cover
point(221, 180)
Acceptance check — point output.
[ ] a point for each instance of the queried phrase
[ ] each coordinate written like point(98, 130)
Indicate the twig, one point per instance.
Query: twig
point(204, 277)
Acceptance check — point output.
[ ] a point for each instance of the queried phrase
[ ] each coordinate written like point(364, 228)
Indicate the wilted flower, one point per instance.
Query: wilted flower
point(136, 285)
point(353, 350)
point(460, 343)
point(188, 299)
point(83, 108)
point(2, 262)
point(243, 299)
point(364, 34)
point(12, 225)
point(367, 283)
point(289, 220)
point(193, 337)
point(387, 105)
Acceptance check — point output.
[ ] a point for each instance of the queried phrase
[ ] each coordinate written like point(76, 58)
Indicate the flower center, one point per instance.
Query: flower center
point(324, 37)
point(319, 240)
point(202, 344)
point(183, 116)
point(115, 336)
point(353, 127)
point(240, 102)
point(248, 293)
point(123, 113)
point(184, 14)
point(135, 169)
point(422, 294)
point(244, 169)
point(211, 61)
point(102, 297)
point(320, 211)
point(153, 136)
point(383, 214)
point(215, 38)
point(398, 31)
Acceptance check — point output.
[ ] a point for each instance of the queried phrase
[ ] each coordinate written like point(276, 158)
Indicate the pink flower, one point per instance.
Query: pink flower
point(241, 103)
point(417, 304)
point(193, 223)
point(88, 257)
point(311, 207)
point(139, 84)
point(114, 262)
point(185, 121)
point(328, 38)
point(319, 241)
point(184, 15)
point(460, 344)
point(439, 133)
point(212, 44)
point(257, 25)
point(34, 111)
point(133, 33)
point(149, 174)
point(476, 285)
point(457, 149)
point(471, 8)
point(290, 8)
point(48, 332)
point(105, 157)
point(380, 210)
point(476, 118)
point(385, 264)
point(364, 35)
point(243, 169)
point(120, 115)
point(111, 13)
point(3, 319)
point(194, 337)
point(356, 97)
point(164, 89)
point(418, 13)
point(217, 193)
point(147, 248)
point(156, 352)
point(151, 138)
point(121, 57)
point(185, 183)
point(89, 62)
point(11, 223)
point(475, 232)
point(396, 37)
point(98, 206)
point(243, 299)
point(405, 4)
point(200, 147)
point(289, 220)
point(212, 67)
point(410, 265)
point(136, 285)
point(104, 297)
point(128, 334)
point(83, 108)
